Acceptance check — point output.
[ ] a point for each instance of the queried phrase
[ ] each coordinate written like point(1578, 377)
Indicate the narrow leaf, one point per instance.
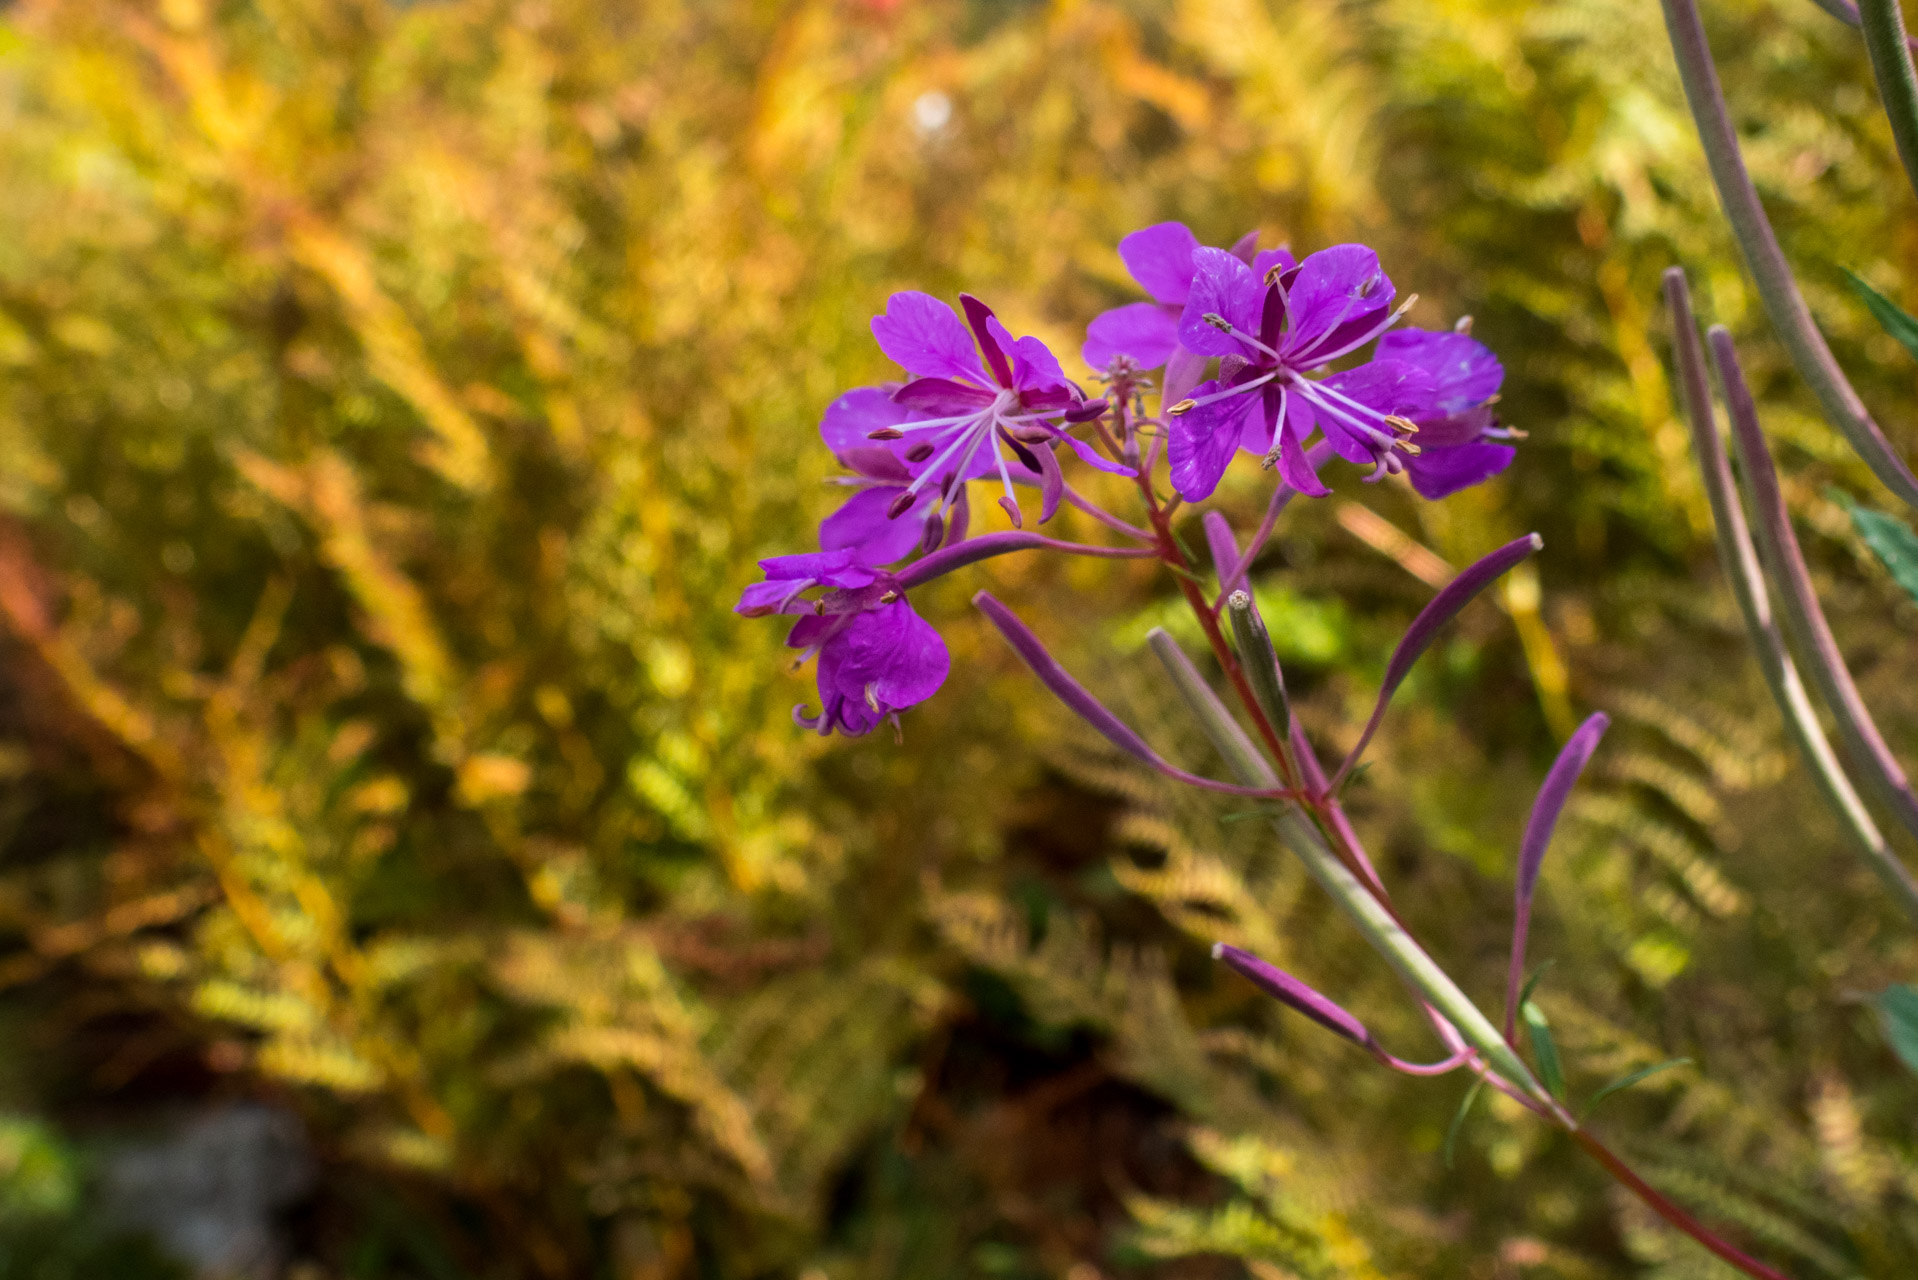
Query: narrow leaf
point(1458, 1119)
point(1444, 606)
point(1081, 702)
point(1544, 1049)
point(1893, 542)
point(1627, 1081)
point(1531, 983)
point(1550, 802)
point(1898, 1013)
point(1223, 546)
point(1891, 317)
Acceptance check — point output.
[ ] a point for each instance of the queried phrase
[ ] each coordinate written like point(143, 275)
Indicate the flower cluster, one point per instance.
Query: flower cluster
point(1281, 339)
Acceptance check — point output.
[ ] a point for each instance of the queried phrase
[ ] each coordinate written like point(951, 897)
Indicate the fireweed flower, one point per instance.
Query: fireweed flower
point(1270, 331)
point(966, 423)
point(1454, 434)
point(876, 656)
point(1147, 333)
point(865, 524)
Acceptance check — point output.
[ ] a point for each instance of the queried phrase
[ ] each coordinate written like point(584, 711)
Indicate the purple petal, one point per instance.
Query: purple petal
point(1246, 248)
point(1093, 458)
point(1201, 442)
point(1224, 286)
point(879, 462)
point(1052, 483)
point(1184, 371)
point(1440, 472)
point(923, 336)
point(1160, 259)
point(889, 656)
point(1463, 370)
point(1145, 331)
point(1386, 386)
point(762, 598)
point(939, 398)
point(1463, 427)
point(1281, 258)
point(851, 418)
point(834, 568)
point(1288, 990)
point(1256, 435)
point(1220, 542)
point(1334, 287)
point(1035, 368)
point(994, 341)
point(1546, 807)
point(863, 527)
point(1295, 467)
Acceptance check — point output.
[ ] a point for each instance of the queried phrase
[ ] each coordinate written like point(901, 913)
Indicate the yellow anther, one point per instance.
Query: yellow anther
point(1184, 406)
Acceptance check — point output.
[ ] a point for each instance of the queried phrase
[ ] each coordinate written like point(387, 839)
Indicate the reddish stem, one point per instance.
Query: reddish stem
point(1658, 1203)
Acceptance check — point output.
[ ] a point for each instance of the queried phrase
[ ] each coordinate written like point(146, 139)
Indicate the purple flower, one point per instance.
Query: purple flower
point(1147, 333)
point(876, 656)
point(1453, 432)
point(1270, 330)
point(864, 524)
point(964, 423)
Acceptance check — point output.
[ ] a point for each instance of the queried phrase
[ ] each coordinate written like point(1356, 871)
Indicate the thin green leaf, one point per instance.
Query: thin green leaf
point(1893, 542)
point(1543, 1048)
point(1525, 996)
point(1898, 1013)
point(1458, 1119)
point(1627, 1081)
point(1889, 315)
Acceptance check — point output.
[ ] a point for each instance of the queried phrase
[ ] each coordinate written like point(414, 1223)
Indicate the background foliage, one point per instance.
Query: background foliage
point(393, 402)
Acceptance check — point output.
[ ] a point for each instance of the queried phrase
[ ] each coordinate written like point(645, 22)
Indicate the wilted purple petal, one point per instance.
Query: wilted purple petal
point(863, 527)
point(1333, 287)
point(1145, 331)
point(1444, 606)
point(1463, 370)
point(1546, 807)
point(926, 338)
point(1222, 286)
point(1442, 470)
point(1287, 989)
point(1160, 259)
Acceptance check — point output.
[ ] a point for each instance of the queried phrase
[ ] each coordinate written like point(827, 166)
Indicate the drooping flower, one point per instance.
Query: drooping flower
point(979, 403)
point(1455, 433)
point(876, 656)
point(1147, 333)
point(1270, 331)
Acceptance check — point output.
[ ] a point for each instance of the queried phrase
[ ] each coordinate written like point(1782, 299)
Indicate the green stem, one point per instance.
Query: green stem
point(1776, 287)
point(1883, 23)
point(1739, 558)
